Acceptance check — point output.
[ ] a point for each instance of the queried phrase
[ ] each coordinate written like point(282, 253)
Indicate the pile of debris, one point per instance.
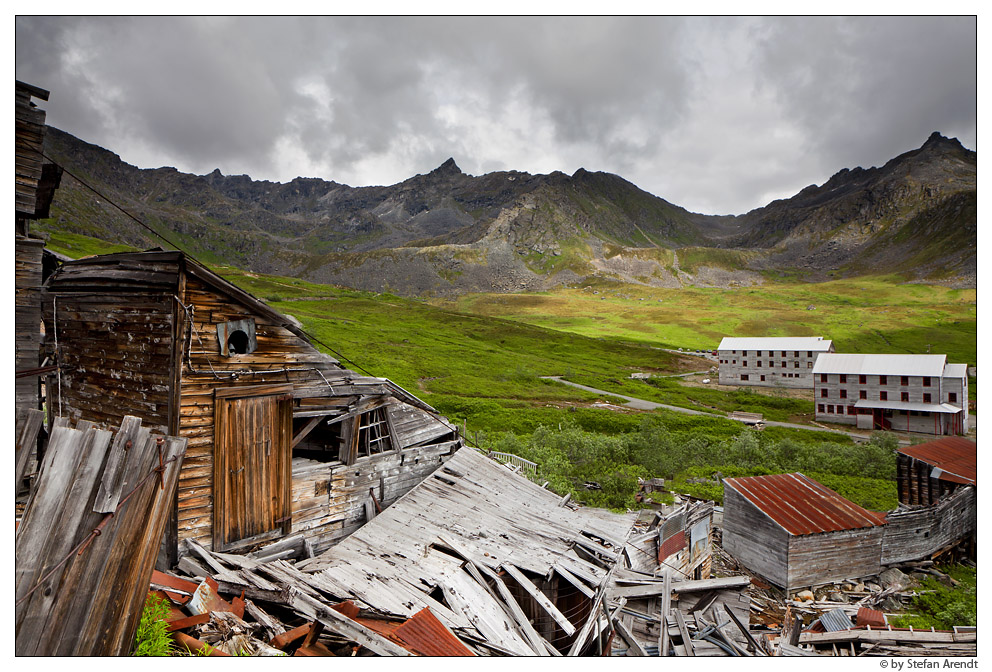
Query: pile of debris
point(276, 609)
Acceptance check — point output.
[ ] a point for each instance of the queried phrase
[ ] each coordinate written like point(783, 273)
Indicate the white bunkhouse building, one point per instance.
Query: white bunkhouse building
point(907, 393)
point(771, 361)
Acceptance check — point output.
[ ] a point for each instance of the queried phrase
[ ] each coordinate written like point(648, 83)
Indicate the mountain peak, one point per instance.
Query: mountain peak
point(449, 167)
point(936, 139)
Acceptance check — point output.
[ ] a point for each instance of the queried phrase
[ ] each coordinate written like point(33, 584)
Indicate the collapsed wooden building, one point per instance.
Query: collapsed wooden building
point(281, 437)
point(937, 501)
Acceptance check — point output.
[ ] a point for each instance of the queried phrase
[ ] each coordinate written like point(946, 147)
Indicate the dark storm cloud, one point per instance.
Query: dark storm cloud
point(716, 114)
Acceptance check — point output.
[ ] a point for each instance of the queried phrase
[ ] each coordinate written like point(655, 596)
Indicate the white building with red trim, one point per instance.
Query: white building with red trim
point(909, 393)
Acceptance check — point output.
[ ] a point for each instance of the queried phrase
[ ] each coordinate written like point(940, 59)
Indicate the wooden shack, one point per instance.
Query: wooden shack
point(794, 532)
point(282, 438)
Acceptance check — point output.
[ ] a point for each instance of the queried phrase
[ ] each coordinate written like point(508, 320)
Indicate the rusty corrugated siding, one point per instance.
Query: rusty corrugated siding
point(957, 458)
point(801, 505)
point(425, 635)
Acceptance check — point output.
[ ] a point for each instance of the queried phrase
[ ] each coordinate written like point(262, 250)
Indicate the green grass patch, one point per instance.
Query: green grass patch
point(865, 314)
point(77, 246)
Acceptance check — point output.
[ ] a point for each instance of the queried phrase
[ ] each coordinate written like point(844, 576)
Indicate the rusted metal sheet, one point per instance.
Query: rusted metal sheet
point(673, 544)
point(425, 635)
point(956, 458)
point(871, 617)
point(164, 581)
point(801, 505)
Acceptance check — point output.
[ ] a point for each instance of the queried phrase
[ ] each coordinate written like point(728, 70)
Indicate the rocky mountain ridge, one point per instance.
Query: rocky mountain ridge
point(447, 232)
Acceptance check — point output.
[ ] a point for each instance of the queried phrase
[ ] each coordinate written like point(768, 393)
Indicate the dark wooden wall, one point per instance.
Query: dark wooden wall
point(27, 318)
point(115, 354)
point(754, 539)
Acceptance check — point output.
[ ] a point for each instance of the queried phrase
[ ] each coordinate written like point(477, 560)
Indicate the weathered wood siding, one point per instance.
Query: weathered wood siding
point(329, 497)
point(754, 539)
point(205, 370)
point(115, 354)
point(325, 494)
point(27, 318)
point(917, 533)
point(29, 136)
point(834, 556)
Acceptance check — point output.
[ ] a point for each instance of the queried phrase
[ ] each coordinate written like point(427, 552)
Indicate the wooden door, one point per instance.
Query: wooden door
point(252, 464)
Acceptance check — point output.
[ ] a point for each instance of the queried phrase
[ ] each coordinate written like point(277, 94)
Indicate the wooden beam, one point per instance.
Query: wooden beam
point(684, 631)
point(627, 636)
point(309, 427)
point(572, 579)
point(666, 605)
point(540, 597)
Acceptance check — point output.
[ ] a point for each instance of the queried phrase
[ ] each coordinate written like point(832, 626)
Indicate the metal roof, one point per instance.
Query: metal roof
point(955, 459)
point(836, 620)
point(956, 371)
point(881, 365)
point(776, 343)
point(801, 505)
point(907, 406)
point(425, 635)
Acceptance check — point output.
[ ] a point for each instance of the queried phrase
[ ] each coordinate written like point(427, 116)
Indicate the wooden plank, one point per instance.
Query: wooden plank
point(666, 605)
point(28, 424)
point(684, 631)
point(109, 493)
point(753, 643)
point(633, 646)
point(540, 598)
point(343, 625)
point(571, 578)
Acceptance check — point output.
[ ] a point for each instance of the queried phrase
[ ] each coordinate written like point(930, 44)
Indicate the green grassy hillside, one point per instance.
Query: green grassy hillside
point(868, 314)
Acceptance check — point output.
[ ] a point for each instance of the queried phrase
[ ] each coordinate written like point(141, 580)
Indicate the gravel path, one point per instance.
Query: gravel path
point(644, 405)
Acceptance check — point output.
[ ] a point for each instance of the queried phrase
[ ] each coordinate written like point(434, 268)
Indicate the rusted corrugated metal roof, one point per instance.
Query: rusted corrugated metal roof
point(956, 458)
point(801, 505)
point(425, 635)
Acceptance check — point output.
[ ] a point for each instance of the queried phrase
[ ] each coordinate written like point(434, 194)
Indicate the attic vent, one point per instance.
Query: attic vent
point(237, 337)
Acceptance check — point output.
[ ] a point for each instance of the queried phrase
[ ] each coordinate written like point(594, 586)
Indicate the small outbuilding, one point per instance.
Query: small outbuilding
point(795, 532)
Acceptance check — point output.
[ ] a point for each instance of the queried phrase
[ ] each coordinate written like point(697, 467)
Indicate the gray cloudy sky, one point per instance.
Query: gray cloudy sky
point(718, 115)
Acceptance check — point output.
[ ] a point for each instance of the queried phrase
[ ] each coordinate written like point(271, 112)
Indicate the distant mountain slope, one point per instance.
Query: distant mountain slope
point(446, 231)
